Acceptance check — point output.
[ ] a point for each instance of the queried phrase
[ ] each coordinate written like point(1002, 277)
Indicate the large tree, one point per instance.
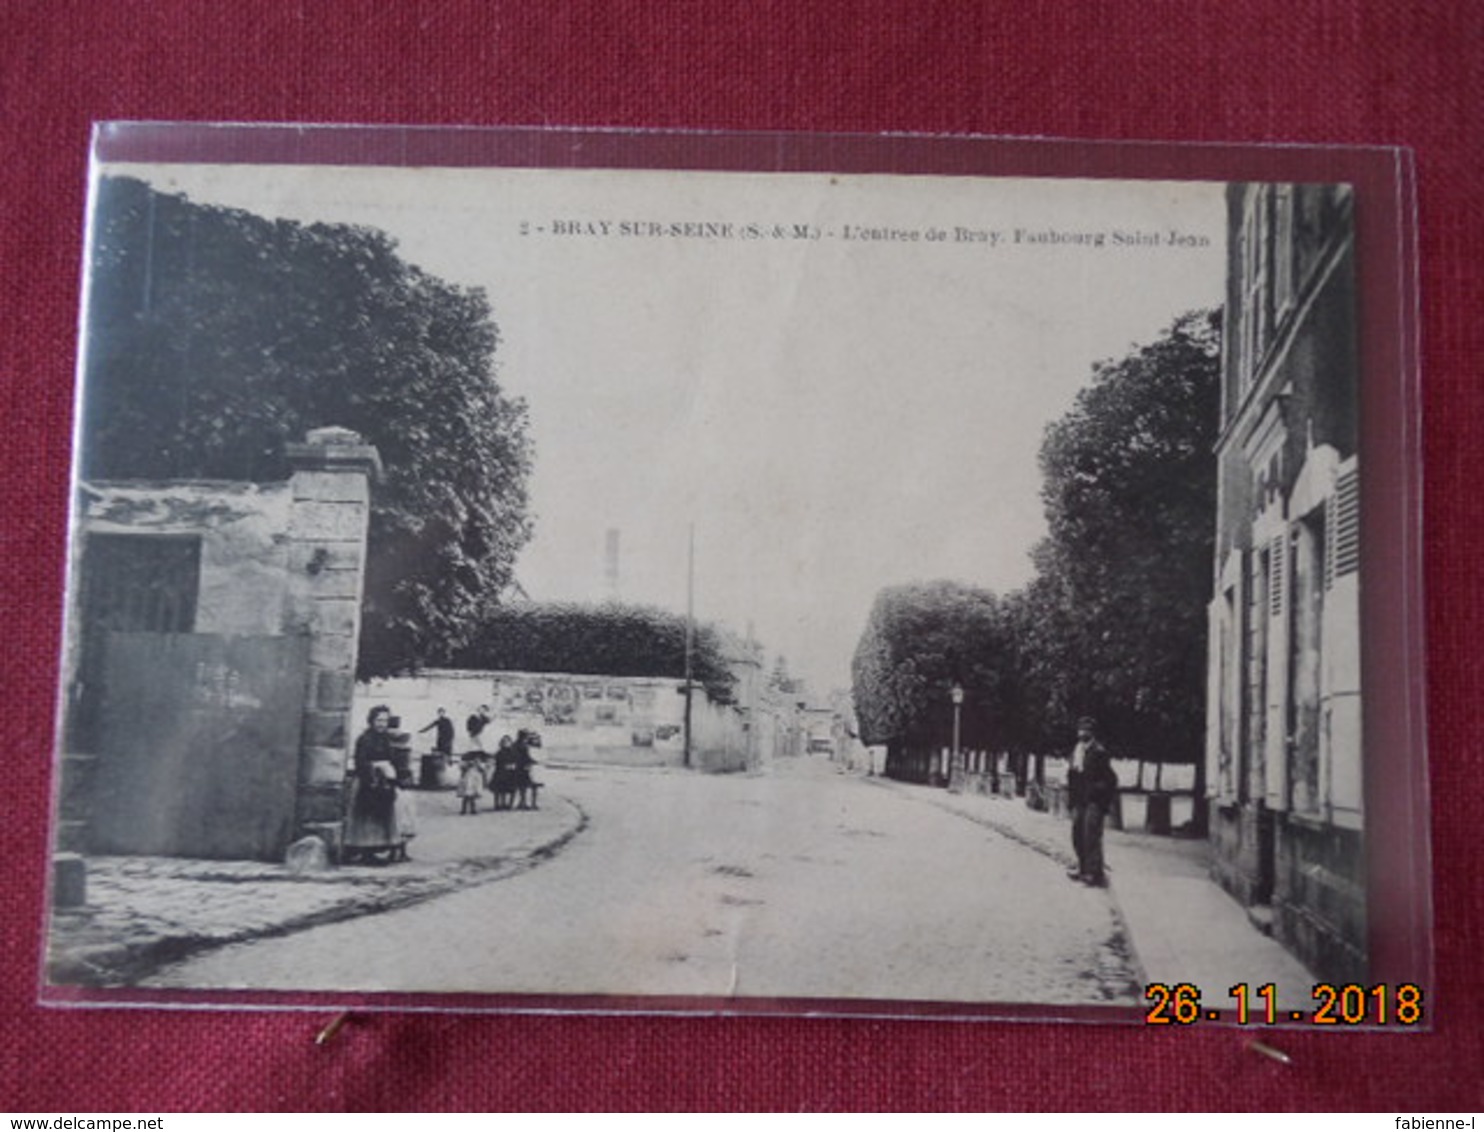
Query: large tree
point(1125, 573)
point(216, 336)
point(920, 639)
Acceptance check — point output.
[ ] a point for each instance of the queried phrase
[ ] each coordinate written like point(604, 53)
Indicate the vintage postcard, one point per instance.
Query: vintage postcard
point(866, 587)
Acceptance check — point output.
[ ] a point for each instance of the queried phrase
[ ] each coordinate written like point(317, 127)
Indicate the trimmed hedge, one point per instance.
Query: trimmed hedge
point(601, 640)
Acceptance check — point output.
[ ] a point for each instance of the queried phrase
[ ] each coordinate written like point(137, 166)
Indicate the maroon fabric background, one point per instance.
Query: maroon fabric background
point(1390, 71)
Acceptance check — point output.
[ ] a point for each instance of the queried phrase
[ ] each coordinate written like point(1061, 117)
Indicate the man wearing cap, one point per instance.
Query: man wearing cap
point(1092, 785)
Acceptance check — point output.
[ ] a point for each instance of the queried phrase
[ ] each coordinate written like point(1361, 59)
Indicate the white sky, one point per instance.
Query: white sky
point(833, 415)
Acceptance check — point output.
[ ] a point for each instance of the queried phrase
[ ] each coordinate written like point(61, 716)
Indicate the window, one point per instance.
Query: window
point(1306, 660)
point(1283, 253)
point(1256, 292)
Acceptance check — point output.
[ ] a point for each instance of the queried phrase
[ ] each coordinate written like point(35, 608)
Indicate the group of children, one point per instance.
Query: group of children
point(504, 773)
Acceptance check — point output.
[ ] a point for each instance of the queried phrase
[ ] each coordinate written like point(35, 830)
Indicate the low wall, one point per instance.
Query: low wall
point(616, 720)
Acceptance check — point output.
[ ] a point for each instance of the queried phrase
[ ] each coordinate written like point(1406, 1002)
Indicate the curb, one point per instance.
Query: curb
point(1063, 858)
point(125, 964)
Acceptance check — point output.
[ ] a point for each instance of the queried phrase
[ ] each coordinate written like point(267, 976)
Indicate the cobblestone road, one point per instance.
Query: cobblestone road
point(799, 883)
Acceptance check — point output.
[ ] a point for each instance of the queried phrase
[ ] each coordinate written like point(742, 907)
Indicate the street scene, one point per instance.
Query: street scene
point(761, 885)
point(712, 591)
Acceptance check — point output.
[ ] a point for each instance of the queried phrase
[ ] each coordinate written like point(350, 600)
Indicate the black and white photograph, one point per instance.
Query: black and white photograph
point(708, 590)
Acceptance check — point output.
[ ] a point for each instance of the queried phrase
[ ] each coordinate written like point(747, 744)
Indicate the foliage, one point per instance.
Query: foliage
point(1124, 575)
point(1113, 622)
point(920, 639)
point(611, 639)
point(215, 337)
point(779, 679)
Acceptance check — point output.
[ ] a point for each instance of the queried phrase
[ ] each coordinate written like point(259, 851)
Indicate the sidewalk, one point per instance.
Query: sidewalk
point(1182, 926)
point(142, 912)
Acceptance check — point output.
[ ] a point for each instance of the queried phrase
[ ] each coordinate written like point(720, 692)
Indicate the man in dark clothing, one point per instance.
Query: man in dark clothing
point(1092, 787)
point(442, 729)
point(435, 765)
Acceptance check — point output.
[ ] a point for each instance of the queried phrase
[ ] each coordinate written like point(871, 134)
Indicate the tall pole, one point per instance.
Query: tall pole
point(956, 694)
point(953, 762)
point(690, 629)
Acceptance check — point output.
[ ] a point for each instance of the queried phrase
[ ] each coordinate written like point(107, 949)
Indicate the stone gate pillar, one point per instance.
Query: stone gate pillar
point(330, 512)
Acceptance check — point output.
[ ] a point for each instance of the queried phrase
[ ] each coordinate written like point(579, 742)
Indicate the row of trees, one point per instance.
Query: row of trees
point(1113, 622)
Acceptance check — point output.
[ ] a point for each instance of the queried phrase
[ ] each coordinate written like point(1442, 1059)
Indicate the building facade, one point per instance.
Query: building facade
point(1284, 742)
point(212, 637)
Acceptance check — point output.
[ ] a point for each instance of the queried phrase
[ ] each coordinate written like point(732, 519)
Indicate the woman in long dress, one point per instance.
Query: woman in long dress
point(371, 808)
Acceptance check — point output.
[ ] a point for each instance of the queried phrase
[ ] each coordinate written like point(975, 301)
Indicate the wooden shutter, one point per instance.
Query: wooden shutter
point(1276, 777)
point(1343, 550)
point(1218, 777)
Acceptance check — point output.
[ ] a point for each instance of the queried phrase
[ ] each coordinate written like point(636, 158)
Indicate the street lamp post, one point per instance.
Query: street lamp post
point(956, 694)
point(690, 636)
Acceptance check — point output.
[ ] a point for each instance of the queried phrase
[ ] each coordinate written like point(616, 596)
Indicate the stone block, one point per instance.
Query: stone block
point(72, 836)
point(327, 584)
point(1157, 819)
point(325, 729)
point(330, 487)
point(330, 522)
point(326, 554)
point(334, 436)
point(309, 854)
point(76, 795)
point(322, 766)
point(337, 617)
point(1134, 809)
point(335, 449)
point(333, 651)
point(321, 804)
point(333, 691)
point(69, 881)
point(330, 833)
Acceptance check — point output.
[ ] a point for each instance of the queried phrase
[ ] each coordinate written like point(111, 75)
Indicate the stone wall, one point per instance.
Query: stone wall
point(624, 720)
point(1319, 905)
point(1237, 845)
point(328, 522)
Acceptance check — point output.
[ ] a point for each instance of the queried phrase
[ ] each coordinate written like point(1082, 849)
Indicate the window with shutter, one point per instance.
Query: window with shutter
point(1275, 752)
point(1256, 707)
point(1344, 524)
point(1277, 575)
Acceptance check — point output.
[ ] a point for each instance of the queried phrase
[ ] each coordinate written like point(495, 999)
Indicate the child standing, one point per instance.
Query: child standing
point(471, 783)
